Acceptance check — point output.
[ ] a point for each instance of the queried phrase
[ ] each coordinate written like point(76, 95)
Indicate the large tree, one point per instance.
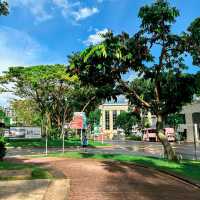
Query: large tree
point(51, 92)
point(47, 86)
point(26, 112)
point(156, 54)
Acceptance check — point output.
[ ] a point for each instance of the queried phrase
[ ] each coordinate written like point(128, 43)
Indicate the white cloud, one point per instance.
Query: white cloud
point(83, 13)
point(44, 10)
point(18, 48)
point(96, 38)
point(65, 6)
point(38, 10)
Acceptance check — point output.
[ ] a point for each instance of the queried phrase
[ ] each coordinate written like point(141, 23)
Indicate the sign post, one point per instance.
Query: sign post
point(79, 122)
point(46, 142)
point(63, 137)
point(195, 140)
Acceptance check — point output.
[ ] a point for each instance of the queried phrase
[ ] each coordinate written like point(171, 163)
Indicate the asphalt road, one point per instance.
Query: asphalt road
point(185, 151)
point(155, 149)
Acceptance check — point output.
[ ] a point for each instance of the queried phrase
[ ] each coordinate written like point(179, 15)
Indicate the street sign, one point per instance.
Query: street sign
point(25, 132)
point(79, 121)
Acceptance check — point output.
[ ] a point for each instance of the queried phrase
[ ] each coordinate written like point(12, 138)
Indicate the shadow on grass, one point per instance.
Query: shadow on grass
point(141, 183)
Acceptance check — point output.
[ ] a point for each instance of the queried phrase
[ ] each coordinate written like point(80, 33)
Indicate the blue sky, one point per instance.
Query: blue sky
point(46, 31)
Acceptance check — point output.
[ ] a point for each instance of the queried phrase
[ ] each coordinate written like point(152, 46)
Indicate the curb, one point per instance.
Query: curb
point(180, 178)
point(57, 189)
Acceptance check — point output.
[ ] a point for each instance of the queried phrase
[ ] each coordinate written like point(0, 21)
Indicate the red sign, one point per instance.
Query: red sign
point(77, 122)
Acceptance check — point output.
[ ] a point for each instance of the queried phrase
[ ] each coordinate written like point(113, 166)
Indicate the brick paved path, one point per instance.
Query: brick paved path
point(106, 180)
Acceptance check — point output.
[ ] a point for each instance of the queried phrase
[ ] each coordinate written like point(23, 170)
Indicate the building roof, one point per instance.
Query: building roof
point(121, 100)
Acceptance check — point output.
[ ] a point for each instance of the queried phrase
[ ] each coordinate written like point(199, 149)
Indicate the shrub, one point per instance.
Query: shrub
point(134, 137)
point(2, 148)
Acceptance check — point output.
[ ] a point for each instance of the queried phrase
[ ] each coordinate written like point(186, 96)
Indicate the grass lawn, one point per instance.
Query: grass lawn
point(36, 172)
point(187, 169)
point(51, 143)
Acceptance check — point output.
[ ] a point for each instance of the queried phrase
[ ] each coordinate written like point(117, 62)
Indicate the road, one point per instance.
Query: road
point(185, 151)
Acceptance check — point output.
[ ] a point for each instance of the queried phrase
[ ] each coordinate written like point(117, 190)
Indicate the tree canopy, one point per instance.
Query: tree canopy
point(126, 120)
point(53, 94)
point(163, 86)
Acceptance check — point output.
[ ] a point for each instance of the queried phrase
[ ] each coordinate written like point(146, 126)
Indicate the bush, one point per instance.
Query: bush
point(2, 148)
point(134, 137)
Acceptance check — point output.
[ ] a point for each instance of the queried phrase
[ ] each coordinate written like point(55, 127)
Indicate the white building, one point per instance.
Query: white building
point(109, 112)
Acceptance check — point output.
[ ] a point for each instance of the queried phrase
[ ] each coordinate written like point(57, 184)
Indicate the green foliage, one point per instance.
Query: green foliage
point(134, 138)
point(5, 119)
point(160, 89)
point(50, 96)
point(158, 17)
point(94, 118)
point(4, 8)
point(26, 112)
point(197, 83)
point(36, 172)
point(175, 119)
point(193, 41)
point(39, 173)
point(2, 142)
point(126, 120)
point(2, 148)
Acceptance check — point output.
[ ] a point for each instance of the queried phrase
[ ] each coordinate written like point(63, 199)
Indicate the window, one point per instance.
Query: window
point(182, 119)
point(107, 118)
point(114, 119)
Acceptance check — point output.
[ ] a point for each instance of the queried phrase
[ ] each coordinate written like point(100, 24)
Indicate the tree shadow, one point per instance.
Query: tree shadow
point(136, 182)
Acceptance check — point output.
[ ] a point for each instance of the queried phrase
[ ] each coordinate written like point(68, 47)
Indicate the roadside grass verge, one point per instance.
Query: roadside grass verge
point(186, 169)
point(51, 143)
point(36, 172)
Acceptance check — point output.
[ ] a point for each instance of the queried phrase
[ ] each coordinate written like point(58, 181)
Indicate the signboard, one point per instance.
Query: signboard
point(33, 132)
point(25, 132)
point(79, 121)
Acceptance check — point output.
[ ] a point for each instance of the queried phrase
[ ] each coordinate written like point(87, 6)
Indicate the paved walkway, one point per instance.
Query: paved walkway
point(34, 189)
point(107, 180)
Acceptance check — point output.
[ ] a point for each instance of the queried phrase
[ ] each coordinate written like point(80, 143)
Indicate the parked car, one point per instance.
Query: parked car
point(170, 133)
point(149, 135)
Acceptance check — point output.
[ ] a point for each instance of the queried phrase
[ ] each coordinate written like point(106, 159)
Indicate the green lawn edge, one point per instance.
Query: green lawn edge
point(36, 171)
point(29, 143)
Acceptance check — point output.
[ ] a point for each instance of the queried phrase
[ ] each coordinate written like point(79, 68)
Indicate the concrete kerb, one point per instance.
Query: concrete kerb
point(58, 189)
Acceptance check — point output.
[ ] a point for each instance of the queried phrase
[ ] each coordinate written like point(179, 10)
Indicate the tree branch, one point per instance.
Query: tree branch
point(87, 104)
point(131, 91)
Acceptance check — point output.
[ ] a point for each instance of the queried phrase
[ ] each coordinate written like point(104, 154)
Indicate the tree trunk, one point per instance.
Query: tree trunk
point(168, 150)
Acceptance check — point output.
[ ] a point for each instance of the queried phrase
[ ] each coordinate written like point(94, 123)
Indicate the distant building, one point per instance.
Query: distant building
point(109, 112)
point(191, 114)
